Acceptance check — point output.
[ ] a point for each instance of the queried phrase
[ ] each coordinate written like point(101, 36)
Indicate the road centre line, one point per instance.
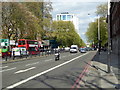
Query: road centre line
point(20, 71)
point(46, 71)
point(31, 64)
point(8, 69)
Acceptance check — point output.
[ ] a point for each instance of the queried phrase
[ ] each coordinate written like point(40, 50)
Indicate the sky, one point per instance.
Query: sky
point(81, 8)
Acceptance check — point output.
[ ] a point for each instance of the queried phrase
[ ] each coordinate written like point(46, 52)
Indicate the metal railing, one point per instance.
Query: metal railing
point(45, 52)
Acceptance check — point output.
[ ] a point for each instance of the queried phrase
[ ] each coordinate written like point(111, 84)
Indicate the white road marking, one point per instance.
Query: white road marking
point(4, 67)
point(8, 69)
point(48, 60)
point(32, 77)
point(31, 64)
point(20, 71)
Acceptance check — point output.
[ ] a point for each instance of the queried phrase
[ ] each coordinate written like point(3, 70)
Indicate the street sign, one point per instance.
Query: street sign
point(4, 42)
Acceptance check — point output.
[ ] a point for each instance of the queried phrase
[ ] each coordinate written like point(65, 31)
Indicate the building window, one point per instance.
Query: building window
point(60, 17)
point(69, 17)
point(64, 17)
point(57, 17)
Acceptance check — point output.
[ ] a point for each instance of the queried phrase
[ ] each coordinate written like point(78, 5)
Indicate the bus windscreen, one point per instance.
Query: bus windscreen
point(21, 43)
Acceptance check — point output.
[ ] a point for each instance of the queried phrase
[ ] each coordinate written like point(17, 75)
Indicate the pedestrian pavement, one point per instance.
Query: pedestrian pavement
point(97, 76)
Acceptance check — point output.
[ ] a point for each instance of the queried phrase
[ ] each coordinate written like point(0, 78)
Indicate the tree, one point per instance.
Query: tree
point(23, 20)
point(92, 31)
point(8, 23)
point(64, 33)
point(102, 10)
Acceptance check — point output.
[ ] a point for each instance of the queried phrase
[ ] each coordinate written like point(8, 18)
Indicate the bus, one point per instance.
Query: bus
point(32, 46)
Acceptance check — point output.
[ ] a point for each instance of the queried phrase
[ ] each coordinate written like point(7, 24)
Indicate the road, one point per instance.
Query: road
point(45, 72)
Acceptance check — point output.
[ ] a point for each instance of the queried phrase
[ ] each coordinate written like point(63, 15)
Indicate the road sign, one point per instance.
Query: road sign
point(4, 42)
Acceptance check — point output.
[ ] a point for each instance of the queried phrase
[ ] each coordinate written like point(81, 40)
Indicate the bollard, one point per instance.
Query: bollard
point(13, 55)
point(26, 53)
point(31, 55)
point(39, 53)
point(20, 54)
point(42, 52)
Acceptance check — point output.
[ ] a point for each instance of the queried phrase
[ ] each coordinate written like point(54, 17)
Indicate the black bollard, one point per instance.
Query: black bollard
point(5, 56)
point(13, 55)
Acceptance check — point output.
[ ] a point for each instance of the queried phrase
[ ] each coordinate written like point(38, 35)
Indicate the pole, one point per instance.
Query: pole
point(98, 28)
point(109, 41)
point(99, 35)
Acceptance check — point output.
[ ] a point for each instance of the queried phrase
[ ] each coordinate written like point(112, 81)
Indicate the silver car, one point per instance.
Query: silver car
point(82, 50)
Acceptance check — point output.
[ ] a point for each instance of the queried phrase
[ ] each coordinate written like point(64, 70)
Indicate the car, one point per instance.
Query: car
point(67, 49)
point(88, 49)
point(73, 50)
point(82, 50)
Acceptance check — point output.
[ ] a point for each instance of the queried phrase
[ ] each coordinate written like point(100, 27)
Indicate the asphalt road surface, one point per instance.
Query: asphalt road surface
point(45, 72)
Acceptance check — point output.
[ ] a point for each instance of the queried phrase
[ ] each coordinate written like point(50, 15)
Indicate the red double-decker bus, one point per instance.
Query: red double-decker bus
point(32, 46)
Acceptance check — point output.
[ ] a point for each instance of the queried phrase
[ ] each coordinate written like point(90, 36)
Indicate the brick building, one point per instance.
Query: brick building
point(115, 27)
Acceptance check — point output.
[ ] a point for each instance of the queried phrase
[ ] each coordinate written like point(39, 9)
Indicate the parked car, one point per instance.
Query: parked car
point(82, 50)
point(88, 48)
point(67, 49)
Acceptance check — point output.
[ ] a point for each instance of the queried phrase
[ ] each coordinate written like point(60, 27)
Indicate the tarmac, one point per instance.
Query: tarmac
point(96, 74)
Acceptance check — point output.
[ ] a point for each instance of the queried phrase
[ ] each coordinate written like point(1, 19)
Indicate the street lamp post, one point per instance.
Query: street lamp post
point(99, 41)
point(109, 40)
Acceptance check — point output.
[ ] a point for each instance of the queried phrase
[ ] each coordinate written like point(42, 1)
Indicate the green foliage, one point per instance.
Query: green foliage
point(92, 31)
point(32, 20)
point(24, 20)
point(102, 10)
point(64, 33)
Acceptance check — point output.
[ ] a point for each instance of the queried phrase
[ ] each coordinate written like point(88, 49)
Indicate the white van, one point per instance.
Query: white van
point(73, 49)
point(17, 51)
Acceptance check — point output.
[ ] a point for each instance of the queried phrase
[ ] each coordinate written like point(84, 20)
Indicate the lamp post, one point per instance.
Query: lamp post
point(99, 41)
point(109, 40)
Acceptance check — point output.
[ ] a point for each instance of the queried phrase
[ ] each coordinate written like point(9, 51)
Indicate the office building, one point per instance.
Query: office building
point(69, 17)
